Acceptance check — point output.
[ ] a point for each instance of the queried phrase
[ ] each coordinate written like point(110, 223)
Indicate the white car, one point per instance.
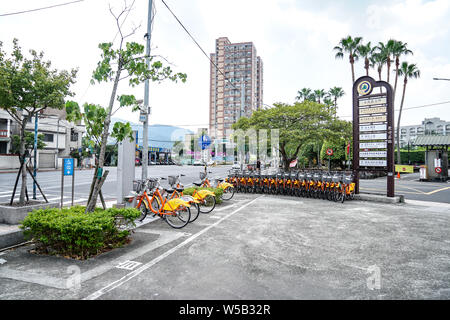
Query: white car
point(236, 165)
point(198, 163)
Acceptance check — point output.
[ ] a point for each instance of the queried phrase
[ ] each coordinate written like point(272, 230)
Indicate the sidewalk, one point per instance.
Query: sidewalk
point(39, 170)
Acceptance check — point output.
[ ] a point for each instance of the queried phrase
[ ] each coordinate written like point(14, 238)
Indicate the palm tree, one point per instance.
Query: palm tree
point(348, 45)
point(304, 94)
point(336, 93)
point(398, 49)
point(365, 51)
point(318, 94)
point(377, 59)
point(385, 50)
point(408, 71)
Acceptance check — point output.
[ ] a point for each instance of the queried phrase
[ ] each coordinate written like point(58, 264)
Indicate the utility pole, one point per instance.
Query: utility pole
point(146, 108)
point(35, 154)
point(241, 113)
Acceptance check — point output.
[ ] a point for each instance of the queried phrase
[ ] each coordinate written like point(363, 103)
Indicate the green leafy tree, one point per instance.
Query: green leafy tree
point(305, 94)
point(336, 93)
point(365, 51)
point(298, 124)
point(127, 61)
point(398, 49)
point(29, 142)
point(319, 94)
point(349, 45)
point(28, 86)
point(408, 71)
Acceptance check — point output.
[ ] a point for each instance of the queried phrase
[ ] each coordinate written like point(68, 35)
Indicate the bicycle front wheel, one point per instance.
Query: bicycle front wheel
point(228, 193)
point(179, 218)
point(208, 204)
point(143, 209)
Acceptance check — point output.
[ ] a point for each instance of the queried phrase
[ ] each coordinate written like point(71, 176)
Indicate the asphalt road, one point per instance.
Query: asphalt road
point(50, 182)
point(410, 186)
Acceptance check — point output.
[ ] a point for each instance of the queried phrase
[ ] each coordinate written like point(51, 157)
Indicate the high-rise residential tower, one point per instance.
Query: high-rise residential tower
point(241, 71)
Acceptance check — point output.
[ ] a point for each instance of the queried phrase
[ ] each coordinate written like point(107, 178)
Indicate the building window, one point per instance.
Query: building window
point(48, 137)
point(73, 135)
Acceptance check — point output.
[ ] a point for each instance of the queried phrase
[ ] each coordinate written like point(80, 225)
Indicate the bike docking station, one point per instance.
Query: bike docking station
point(373, 135)
point(125, 170)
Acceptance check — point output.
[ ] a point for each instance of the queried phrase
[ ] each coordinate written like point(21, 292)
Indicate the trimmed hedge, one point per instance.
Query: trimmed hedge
point(217, 191)
point(73, 233)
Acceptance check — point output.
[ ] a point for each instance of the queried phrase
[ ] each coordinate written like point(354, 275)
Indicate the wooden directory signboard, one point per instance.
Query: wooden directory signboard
point(373, 129)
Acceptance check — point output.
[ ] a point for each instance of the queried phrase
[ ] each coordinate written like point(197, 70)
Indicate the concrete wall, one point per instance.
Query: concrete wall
point(9, 162)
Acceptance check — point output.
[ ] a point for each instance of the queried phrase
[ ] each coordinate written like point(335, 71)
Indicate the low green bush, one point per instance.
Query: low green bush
point(74, 233)
point(217, 191)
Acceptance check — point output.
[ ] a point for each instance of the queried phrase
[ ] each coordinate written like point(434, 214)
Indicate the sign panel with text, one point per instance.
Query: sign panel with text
point(373, 128)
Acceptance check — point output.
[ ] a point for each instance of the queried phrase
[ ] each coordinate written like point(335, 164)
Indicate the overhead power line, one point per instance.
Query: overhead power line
point(195, 41)
point(43, 8)
point(423, 106)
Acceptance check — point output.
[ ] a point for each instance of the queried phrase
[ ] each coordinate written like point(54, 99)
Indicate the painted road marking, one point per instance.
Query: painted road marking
point(141, 269)
point(128, 265)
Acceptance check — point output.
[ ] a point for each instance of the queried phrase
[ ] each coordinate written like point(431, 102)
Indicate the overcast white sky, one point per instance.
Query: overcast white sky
point(294, 38)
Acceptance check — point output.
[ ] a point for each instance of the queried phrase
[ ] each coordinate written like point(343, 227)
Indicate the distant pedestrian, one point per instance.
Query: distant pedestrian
point(258, 166)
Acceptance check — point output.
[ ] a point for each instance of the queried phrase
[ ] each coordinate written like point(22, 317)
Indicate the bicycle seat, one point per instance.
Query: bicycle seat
point(179, 189)
point(198, 184)
point(220, 180)
point(169, 190)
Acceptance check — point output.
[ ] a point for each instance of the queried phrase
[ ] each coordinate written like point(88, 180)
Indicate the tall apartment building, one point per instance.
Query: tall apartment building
point(241, 71)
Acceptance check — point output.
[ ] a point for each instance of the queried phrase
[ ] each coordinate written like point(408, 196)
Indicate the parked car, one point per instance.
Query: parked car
point(236, 165)
point(198, 163)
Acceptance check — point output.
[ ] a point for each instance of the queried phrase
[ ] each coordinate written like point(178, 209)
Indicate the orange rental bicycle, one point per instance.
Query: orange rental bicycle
point(175, 212)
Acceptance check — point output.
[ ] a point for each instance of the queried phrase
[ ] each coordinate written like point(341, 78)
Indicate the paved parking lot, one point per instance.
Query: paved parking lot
point(258, 247)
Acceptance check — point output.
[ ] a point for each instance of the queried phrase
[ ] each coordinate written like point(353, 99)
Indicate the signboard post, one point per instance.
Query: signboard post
point(67, 170)
point(329, 153)
point(373, 130)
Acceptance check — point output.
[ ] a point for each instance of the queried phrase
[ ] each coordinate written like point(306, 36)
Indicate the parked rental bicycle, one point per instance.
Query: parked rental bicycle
point(228, 188)
point(149, 197)
point(333, 186)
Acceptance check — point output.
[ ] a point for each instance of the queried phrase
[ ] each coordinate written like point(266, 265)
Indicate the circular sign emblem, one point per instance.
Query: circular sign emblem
point(330, 152)
point(364, 88)
point(438, 169)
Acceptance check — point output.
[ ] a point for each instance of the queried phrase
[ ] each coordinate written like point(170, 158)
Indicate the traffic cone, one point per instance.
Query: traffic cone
point(398, 175)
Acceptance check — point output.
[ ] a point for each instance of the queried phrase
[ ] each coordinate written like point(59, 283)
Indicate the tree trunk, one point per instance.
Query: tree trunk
point(388, 67)
point(366, 66)
point(101, 159)
point(398, 121)
point(397, 63)
point(353, 69)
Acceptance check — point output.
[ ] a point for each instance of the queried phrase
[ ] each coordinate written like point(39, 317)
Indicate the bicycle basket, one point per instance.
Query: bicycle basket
point(301, 176)
point(172, 180)
point(137, 185)
point(152, 183)
point(336, 178)
point(202, 175)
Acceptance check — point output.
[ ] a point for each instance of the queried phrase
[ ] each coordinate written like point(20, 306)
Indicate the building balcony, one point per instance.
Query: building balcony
point(4, 133)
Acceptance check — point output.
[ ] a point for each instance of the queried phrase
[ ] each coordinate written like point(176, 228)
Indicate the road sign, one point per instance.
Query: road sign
point(329, 151)
point(67, 170)
point(68, 166)
point(204, 141)
point(293, 163)
point(438, 170)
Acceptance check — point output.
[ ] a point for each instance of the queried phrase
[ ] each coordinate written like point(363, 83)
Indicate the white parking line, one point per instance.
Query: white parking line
point(141, 269)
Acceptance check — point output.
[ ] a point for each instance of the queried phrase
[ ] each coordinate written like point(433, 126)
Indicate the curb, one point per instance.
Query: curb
point(379, 198)
point(11, 237)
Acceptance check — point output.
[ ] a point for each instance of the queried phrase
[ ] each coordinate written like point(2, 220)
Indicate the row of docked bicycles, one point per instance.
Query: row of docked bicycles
point(171, 204)
point(334, 186)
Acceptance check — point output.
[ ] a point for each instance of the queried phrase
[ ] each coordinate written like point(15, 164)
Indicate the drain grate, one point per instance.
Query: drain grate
point(128, 265)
